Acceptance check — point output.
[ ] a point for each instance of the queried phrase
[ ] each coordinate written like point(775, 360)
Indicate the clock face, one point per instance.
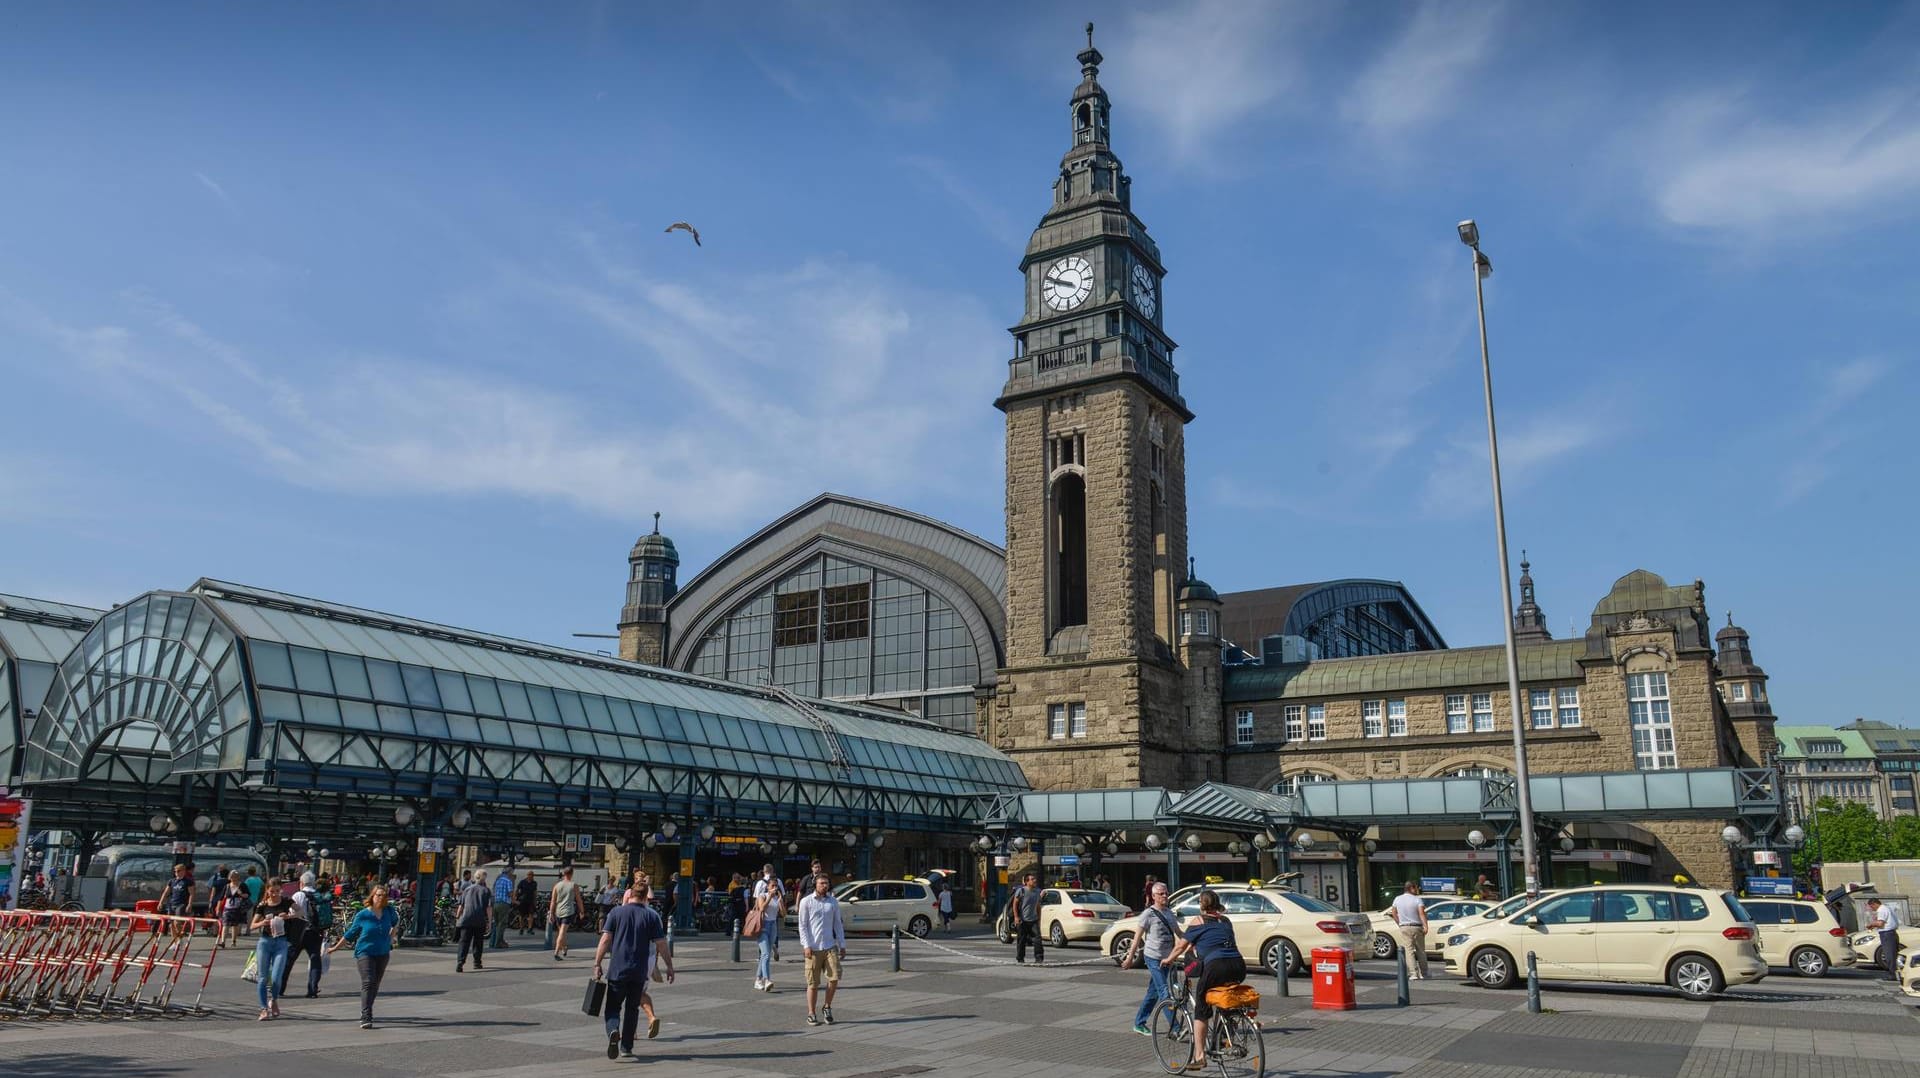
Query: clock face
point(1142, 282)
point(1067, 283)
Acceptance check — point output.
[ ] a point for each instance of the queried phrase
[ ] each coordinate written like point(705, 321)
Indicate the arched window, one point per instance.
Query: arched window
point(1290, 785)
point(1070, 551)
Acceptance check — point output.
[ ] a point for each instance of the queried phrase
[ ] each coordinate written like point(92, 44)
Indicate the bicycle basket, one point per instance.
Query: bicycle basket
point(1234, 997)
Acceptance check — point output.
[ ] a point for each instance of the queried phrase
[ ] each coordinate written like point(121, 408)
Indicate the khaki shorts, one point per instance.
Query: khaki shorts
point(823, 965)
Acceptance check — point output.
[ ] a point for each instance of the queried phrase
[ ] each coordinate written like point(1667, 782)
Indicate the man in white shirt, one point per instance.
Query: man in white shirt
point(823, 939)
point(1880, 919)
point(1410, 916)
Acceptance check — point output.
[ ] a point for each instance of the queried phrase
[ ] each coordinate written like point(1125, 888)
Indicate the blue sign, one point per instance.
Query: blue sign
point(1069, 858)
point(1770, 886)
point(1439, 885)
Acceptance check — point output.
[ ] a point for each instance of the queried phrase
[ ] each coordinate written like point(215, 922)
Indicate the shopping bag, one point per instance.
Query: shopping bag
point(252, 970)
point(753, 925)
point(326, 963)
point(596, 997)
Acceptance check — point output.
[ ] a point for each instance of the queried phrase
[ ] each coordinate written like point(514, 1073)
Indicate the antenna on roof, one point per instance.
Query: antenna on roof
point(656, 522)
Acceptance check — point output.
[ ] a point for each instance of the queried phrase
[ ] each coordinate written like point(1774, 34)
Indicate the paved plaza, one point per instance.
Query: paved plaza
point(970, 1014)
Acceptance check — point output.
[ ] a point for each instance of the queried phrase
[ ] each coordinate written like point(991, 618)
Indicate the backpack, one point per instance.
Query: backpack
point(237, 901)
point(322, 904)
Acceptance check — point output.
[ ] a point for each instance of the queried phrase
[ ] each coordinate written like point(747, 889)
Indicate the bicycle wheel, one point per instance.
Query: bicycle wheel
point(1172, 1035)
point(1240, 1051)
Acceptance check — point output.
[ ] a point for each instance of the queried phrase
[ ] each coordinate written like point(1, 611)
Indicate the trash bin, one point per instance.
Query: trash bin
point(1332, 979)
point(145, 905)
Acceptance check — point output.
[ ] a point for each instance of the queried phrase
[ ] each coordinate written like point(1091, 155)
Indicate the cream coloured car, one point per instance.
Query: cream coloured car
point(1439, 930)
point(1866, 946)
point(1273, 926)
point(1800, 934)
point(1076, 913)
point(1386, 927)
point(883, 905)
point(1697, 941)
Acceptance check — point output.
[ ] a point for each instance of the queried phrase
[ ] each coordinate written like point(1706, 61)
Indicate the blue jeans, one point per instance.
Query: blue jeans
point(1156, 991)
point(270, 960)
point(769, 938)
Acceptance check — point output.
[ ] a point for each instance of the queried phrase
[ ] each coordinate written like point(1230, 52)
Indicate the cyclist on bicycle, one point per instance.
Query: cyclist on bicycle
point(1210, 936)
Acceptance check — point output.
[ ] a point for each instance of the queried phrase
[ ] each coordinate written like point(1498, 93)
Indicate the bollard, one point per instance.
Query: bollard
point(1533, 985)
point(1405, 996)
point(736, 939)
point(1281, 975)
point(669, 939)
point(896, 948)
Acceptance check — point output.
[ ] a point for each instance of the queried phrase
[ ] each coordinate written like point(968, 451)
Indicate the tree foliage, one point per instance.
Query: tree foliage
point(1849, 832)
point(1903, 837)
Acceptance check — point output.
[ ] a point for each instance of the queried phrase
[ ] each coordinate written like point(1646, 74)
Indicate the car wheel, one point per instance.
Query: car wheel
point(1058, 935)
point(1122, 943)
point(1491, 967)
point(1383, 945)
point(1696, 977)
point(920, 926)
point(1003, 930)
point(1279, 955)
point(1810, 962)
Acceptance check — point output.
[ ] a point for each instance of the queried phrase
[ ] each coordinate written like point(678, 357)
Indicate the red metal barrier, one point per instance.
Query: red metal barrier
point(54, 962)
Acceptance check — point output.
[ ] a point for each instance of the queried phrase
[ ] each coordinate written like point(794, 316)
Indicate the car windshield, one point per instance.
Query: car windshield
point(1513, 905)
point(1310, 903)
point(1092, 898)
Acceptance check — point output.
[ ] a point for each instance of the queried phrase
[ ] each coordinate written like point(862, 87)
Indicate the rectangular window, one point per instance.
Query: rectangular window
point(1456, 713)
point(1540, 708)
point(847, 611)
point(1296, 726)
point(796, 619)
point(1483, 711)
point(1396, 718)
point(1243, 728)
point(1057, 722)
point(1372, 722)
point(1651, 714)
point(1569, 705)
point(1203, 622)
point(1076, 720)
point(1316, 722)
point(1737, 691)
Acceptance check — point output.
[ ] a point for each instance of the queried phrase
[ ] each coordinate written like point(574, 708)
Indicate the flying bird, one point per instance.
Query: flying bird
point(689, 229)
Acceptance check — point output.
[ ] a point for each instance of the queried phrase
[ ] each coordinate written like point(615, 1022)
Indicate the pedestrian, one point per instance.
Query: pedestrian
point(610, 896)
point(768, 898)
point(308, 941)
point(373, 932)
point(1156, 933)
point(525, 894)
point(235, 903)
point(320, 905)
point(823, 943)
point(502, 906)
point(632, 942)
point(1881, 920)
point(1210, 936)
point(1023, 916)
point(1146, 893)
point(216, 891)
point(1410, 916)
point(806, 883)
point(255, 885)
point(946, 909)
point(270, 921)
point(563, 902)
point(1485, 891)
point(472, 917)
point(177, 899)
point(738, 896)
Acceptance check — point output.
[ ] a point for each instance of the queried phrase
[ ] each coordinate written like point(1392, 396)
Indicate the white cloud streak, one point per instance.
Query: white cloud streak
point(1423, 72)
point(219, 192)
point(1458, 479)
point(1820, 438)
point(1194, 69)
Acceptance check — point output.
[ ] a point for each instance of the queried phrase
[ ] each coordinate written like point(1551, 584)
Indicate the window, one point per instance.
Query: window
point(1632, 906)
point(1056, 721)
point(1574, 909)
point(1243, 728)
point(1737, 691)
point(1077, 720)
point(1396, 718)
point(1371, 723)
point(1540, 708)
point(847, 611)
point(1815, 746)
point(1296, 728)
point(796, 619)
point(1483, 711)
point(1246, 902)
point(1196, 622)
point(1316, 722)
point(1569, 705)
point(1652, 719)
point(1456, 713)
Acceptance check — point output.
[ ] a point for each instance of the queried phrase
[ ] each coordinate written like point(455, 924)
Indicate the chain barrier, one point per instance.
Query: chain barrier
point(1584, 973)
point(58, 962)
point(991, 961)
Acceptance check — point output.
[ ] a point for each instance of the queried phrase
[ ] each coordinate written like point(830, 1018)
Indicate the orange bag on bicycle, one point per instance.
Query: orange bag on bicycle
point(1235, 997)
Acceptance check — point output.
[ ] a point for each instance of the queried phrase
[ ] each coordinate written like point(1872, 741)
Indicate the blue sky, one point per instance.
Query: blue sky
point(373, 302)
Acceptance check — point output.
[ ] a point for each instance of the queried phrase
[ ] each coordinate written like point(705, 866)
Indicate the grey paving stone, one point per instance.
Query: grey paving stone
point(1723, 1063)
point(1554, 1053)
point(1597, 1027)
point(1853, 1019)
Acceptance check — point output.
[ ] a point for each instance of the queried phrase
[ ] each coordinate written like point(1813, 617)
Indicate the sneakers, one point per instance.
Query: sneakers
point(613, 1046)
point(813, 1019)
point(458, 968)
point(759, 985)
point(827, 1016)
point(766, 985)
point(653, 1028)
point(366, 1025)
point(1142, 1030)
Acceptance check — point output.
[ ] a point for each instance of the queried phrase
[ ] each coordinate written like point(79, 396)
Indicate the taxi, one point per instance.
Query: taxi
point(1274, 927)
point(1386, 926)
point(883, 905)
point(1801, 935)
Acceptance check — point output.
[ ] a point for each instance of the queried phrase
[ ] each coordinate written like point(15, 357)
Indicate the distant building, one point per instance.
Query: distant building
point(1863, 762)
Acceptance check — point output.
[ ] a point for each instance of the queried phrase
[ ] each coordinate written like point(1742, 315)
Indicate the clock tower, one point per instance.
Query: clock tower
point(1096, 490)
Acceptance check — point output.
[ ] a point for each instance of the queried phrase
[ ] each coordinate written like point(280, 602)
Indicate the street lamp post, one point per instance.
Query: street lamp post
point(1482, 268)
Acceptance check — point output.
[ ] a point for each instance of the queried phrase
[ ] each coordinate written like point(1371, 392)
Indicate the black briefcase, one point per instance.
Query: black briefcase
point(596, 997)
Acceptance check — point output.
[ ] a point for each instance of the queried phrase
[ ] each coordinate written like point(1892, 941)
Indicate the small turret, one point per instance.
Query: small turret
point(1529, 623)
point(1743, 691)
point(653, 569)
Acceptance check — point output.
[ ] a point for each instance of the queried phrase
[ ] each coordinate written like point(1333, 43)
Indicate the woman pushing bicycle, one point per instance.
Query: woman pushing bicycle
point(1210, 935)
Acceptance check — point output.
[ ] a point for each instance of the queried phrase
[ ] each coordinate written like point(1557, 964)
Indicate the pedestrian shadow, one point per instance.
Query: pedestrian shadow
point(74, 1065)
point(684, 1058)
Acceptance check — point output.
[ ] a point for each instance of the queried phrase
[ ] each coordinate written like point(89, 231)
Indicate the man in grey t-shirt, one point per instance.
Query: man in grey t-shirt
point(1156, 933)
point(1023, 913)
point(473, 913)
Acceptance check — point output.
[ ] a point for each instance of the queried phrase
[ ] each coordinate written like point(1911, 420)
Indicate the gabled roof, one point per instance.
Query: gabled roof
point(37, 630)
point(1793, 742)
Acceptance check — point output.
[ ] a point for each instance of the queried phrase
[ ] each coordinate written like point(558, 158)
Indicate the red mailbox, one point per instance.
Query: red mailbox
point(1332, 979)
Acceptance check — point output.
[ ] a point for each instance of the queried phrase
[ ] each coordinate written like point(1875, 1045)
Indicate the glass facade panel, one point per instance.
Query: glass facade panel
point(485, 696)
point(350, 676)
point(387, 686)
point(310, 671)
point(513, 697)
point(545, 708)
point(271, 666)
point(421, 689)
point(454, 694)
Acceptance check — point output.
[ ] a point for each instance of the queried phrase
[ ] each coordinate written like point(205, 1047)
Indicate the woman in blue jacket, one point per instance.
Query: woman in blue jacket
point(373, 932)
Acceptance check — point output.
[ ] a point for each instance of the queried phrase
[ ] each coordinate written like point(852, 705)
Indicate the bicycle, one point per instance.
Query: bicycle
point(1234, 1044)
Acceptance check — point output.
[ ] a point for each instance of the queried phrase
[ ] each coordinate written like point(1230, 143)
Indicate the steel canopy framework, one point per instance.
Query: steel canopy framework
point(282, 711)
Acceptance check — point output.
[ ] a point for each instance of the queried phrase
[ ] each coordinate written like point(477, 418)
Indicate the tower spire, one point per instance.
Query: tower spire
point(1529, 623)
point(656, 522)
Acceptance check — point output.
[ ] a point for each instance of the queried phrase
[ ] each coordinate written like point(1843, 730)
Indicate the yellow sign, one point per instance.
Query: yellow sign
point(686, 866)
point(426, 862)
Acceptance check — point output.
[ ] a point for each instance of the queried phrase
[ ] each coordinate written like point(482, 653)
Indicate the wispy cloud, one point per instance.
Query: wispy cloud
point(1458, 480)
point(1721, 162)
point(1423, 71)
point(1818, 434)
point(219, 192)
point(998, 223)
point(1198, 67)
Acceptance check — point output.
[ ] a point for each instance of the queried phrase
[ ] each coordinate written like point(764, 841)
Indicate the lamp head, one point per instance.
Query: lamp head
point(1795, 835)
point(1191, 841)
point(668, 828)
point(1476, 839)
point(1731, 835)
point(403, 815)
point(1469, 233)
